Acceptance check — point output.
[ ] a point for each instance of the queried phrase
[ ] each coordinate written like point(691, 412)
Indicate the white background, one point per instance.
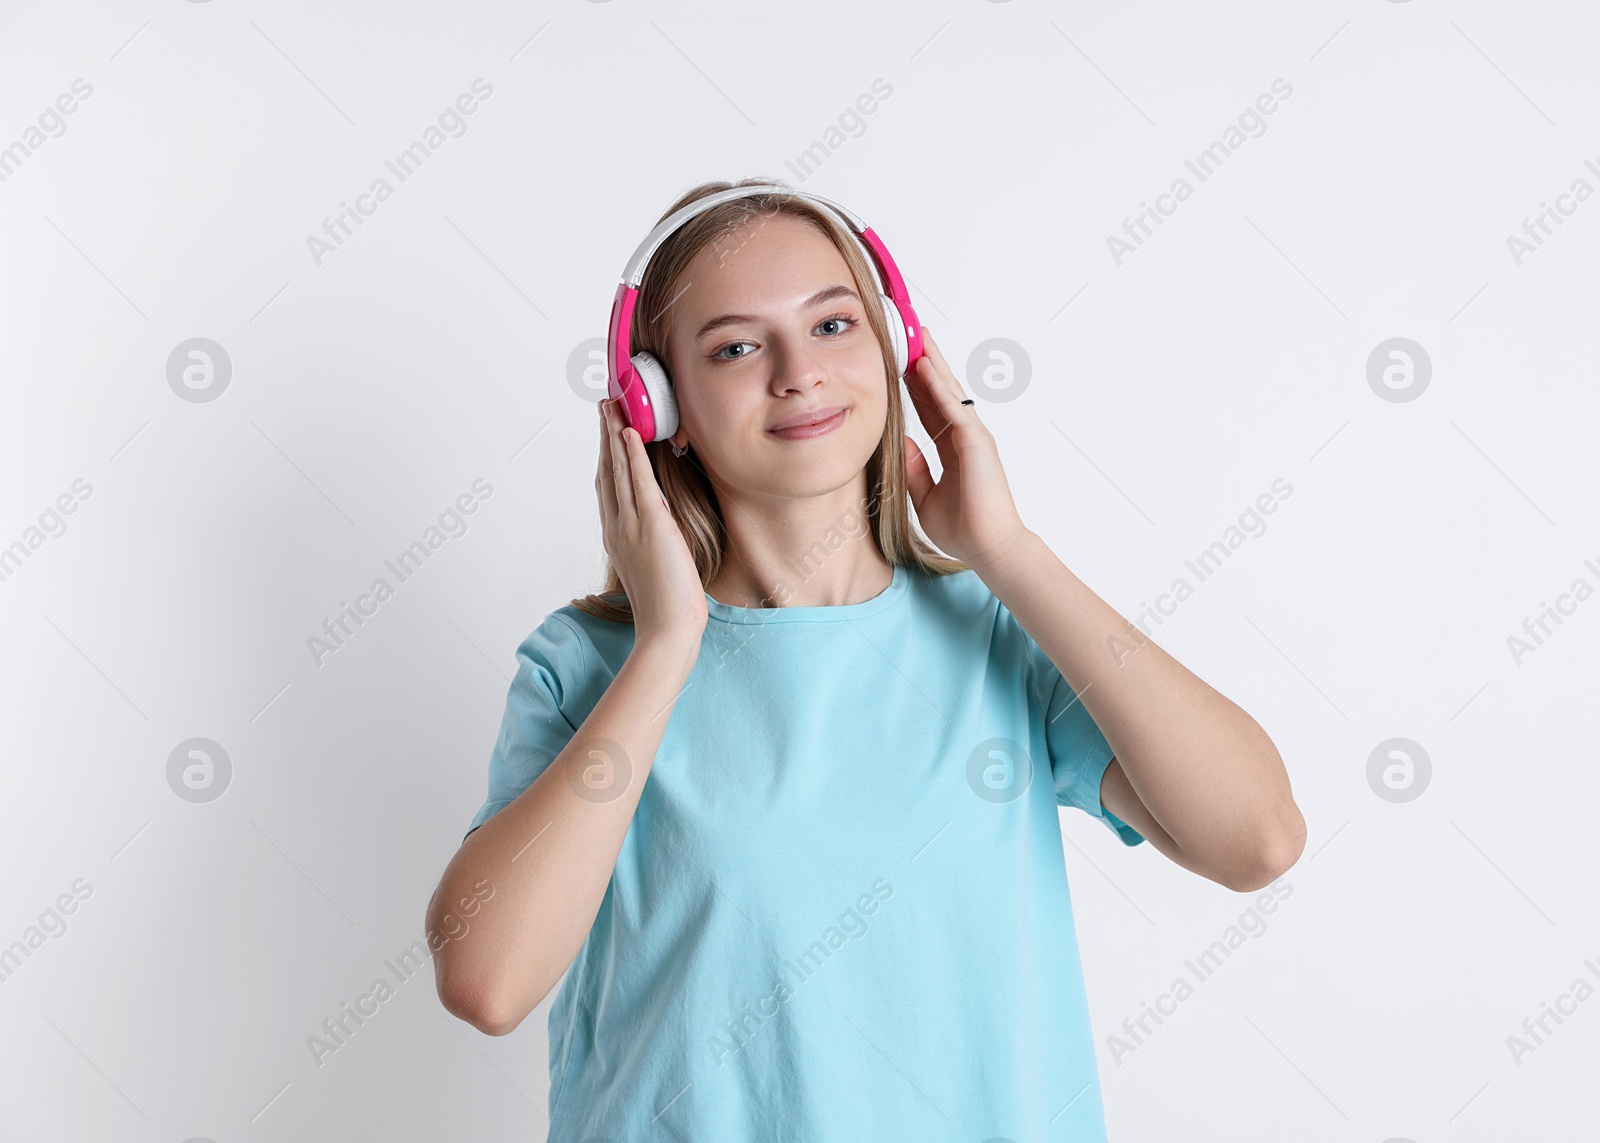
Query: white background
point(368, 392)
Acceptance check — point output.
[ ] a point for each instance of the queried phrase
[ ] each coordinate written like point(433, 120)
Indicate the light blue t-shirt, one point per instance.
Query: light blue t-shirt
point(840, 911)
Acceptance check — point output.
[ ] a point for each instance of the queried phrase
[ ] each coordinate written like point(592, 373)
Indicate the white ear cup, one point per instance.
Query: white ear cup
point(897, 334)
point(653, 376)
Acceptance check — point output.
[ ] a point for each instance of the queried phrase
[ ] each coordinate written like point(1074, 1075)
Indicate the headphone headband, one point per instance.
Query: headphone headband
point(633, 272)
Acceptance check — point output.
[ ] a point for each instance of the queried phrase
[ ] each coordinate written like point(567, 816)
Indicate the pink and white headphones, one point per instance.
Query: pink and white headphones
point(639, 383)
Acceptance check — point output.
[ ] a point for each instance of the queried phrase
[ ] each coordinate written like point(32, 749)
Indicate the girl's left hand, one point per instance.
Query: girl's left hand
point(969, 513)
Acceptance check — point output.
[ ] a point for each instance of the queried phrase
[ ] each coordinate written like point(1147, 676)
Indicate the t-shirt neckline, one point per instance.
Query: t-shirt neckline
point(835, 613)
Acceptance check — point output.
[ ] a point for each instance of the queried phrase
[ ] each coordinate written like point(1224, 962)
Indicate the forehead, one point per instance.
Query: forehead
point(767, 262)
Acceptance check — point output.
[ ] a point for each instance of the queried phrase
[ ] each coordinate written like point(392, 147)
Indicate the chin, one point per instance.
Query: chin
point(827, 471)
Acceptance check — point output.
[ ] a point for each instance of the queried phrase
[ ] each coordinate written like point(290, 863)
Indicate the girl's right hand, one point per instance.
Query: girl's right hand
point(643, 540)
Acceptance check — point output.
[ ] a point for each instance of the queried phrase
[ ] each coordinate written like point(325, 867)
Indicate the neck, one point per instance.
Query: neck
point(815, 552)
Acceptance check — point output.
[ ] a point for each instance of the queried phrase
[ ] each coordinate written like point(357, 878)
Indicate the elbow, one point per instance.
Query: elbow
point(463, 992)
point(484, 1000)
point(1279, 849)
point(475, 1006)
point(468, 995)
point(491, 1026)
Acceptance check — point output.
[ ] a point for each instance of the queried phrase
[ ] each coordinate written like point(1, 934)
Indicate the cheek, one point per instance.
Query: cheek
point(873, 415)
point(724, 411)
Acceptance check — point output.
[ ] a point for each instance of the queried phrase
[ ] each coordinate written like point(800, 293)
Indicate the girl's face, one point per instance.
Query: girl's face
point(767, 327)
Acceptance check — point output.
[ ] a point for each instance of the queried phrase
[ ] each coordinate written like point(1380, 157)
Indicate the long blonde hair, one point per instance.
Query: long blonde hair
point(683, 481)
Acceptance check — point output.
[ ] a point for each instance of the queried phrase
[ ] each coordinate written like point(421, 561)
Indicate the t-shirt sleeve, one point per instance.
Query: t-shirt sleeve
point(541, 713)
point(1079, 752)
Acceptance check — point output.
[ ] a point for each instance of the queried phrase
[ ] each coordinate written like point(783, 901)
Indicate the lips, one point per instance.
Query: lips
point(807, 420)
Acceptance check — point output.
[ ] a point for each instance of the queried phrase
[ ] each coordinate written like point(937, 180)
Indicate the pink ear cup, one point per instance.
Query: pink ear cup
point(633, 402)
point(645, 399)
point(623, 383)
point(901, 314)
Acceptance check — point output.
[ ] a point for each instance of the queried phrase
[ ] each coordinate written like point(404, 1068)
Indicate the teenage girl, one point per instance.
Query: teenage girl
point(778, 808)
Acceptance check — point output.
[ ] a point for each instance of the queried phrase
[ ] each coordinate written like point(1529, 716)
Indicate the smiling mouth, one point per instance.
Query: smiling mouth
point(813, 429)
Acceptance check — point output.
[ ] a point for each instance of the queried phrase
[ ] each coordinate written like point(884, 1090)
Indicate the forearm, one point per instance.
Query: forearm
point(1204, 769)
point(549, 854)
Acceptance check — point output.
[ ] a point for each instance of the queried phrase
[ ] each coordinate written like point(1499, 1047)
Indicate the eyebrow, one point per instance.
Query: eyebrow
point(816, 299)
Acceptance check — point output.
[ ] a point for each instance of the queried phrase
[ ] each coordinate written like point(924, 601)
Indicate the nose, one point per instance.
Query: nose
point(796, 365)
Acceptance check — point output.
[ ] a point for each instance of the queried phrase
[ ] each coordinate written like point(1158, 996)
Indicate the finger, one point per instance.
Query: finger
point(603, 486)
point(934, 411)
point(945, 392)
point(923, 400)
point(948, 388)
point(919, 479)
point(620, 477)
point(645, 490)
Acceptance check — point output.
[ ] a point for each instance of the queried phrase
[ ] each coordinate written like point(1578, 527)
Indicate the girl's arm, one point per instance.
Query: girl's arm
point(537, 871)
point(1188, 761)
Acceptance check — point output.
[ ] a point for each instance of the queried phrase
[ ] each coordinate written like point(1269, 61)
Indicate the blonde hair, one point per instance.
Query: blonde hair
point(685, 484)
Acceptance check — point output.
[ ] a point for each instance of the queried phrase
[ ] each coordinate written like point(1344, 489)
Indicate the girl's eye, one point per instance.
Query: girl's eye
point(845, 320)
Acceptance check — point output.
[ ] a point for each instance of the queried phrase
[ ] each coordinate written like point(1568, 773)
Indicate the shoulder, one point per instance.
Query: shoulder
point(963, 603)
point(974, 623)
point(578, 643)
point(960, 599)
point(571, 657)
